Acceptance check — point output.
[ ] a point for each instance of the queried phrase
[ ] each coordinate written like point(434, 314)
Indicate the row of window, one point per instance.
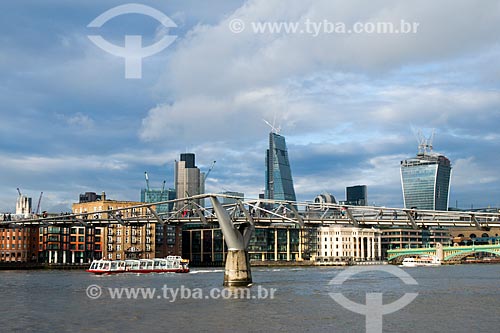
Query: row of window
point(13, 246)
point(13, 237)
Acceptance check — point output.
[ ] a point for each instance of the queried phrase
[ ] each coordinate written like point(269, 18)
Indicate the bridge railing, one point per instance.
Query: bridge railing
point(189, 210)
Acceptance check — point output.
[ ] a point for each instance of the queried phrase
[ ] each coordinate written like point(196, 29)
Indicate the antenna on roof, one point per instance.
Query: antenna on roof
point(425, 144)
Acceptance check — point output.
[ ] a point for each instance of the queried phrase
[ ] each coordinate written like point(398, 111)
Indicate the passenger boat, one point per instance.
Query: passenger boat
point(421, 261)
point(173, 264)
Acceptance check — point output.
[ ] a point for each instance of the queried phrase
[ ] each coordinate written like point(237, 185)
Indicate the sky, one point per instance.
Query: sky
point(349, 104)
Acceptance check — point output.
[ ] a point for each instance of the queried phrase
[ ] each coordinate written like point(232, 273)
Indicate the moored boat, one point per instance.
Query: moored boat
point(421, 261)
point(174, 264)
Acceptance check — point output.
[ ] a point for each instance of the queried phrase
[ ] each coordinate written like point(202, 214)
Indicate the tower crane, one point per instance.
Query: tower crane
point(147, 180)
point(19, 191)
point(37, 211)
point(210, 169)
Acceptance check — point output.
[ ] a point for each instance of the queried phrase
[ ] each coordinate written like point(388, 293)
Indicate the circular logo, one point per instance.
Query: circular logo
point(374, 309)
point(94, 291)
point(236, 26)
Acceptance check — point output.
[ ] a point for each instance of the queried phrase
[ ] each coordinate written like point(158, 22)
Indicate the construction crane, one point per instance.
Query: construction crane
point(147, 180)
point(210, 169)
point(19, 191)
point(163, 187)
point(37, 211)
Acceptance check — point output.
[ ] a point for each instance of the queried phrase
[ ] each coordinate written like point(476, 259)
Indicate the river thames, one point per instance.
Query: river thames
point(461, 298)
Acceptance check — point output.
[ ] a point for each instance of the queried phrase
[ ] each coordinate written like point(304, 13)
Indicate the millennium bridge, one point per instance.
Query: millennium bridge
point(265, 212)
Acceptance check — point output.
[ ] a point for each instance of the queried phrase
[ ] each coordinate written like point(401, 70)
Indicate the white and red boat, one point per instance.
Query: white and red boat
point(174, 264)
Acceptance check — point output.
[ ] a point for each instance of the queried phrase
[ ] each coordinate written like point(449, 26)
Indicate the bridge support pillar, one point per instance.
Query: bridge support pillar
point(238, 272)
point(439, 251)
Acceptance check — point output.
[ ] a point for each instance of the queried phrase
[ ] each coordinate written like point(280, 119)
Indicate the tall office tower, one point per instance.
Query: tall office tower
point(426, 179)
point(189, 180)
point(279, 183)
point(356, 195)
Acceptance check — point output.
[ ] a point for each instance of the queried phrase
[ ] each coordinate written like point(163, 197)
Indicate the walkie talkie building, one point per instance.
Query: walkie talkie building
point(426, 181)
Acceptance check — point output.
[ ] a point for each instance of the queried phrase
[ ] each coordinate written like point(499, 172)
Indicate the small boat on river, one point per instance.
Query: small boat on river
point(174, 264)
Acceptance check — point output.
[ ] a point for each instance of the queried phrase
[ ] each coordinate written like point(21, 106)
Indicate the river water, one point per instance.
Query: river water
point(461, 298)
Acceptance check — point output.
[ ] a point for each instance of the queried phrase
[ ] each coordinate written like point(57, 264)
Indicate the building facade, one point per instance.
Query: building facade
point(171, 241)
point(122, 241)
point(206, 246)
point(19, 244)
point(404, 238)
point(166, 241)
point(426, 181)
point(157, 195)
point(356, 195)
point(470, 236)
point(339, 243)
point(64, 244)
point(189, 181)
point(279, 182)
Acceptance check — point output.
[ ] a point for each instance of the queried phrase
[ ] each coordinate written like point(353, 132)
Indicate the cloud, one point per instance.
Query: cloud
point(212, 72)
point(81, 121)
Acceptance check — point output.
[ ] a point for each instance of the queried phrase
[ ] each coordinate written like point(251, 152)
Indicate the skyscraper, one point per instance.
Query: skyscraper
point(279, 183)
point(155, 195)
point(426, 180)
point(189, 180)
point(356, 195)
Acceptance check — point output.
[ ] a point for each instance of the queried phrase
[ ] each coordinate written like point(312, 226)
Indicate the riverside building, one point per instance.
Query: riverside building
point(206, 247)
point(404, 238)
point(120, 241)
point(19, 244)
point(339, 243)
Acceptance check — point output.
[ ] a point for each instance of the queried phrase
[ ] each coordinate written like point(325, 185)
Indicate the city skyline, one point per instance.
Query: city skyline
point(71, 123)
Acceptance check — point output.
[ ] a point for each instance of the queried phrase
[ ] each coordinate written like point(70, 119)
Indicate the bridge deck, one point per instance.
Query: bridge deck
point(272, 212)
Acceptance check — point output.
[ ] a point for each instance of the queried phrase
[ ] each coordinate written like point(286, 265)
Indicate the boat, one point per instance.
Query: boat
point(173, 264)
point(421, 261)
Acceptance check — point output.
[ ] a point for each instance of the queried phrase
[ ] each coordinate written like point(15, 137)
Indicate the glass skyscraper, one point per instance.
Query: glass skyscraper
point(279, 183)
point(157, 195)
point(426, 181)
